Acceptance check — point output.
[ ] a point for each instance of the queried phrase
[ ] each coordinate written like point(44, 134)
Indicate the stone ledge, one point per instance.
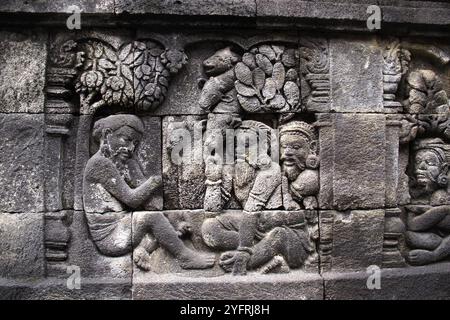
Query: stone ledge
point(326, 15)
point(428, 282)
point(56, 289)
point(295, 286)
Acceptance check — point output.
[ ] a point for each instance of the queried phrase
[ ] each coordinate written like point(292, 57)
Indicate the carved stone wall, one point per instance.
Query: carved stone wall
point(244, 151)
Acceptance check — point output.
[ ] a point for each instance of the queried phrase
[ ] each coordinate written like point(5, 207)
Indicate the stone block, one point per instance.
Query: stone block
point(21, 162)
point(22, 245)
point(245, 8)
point(23, 57)
point(295, 286)
point(184, 185)
point(353, 161)
point(351, 240)
point(413, 283)
point(356, 76)
point(60, 6)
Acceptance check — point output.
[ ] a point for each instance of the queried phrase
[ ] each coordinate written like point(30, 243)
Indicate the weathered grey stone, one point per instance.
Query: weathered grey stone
point(295, 286)
point(59, 6)
point(354, 161)
point(354, 239)
point(198, 8)
point(150, 156)
point(22, 245)
point(21, 162)
point(183, 169)
point(25, 51)
point(99, 288)
point(352, 134)
point(82, 253)
point(413, 283)
point(356, 79)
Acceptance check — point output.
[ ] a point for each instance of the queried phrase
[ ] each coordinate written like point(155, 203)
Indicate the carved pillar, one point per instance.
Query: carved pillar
point(58, 118)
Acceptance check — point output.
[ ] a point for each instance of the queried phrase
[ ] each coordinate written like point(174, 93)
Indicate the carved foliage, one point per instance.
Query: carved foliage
point(136, 74)
point(315, 68)
point(396, 62)
point(267, 79)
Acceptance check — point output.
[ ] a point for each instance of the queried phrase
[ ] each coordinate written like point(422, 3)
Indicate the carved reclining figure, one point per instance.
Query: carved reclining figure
point(114, 185)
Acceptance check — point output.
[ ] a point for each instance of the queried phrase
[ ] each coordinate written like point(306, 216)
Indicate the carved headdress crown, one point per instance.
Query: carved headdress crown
point(299, 127)
point(441, 149)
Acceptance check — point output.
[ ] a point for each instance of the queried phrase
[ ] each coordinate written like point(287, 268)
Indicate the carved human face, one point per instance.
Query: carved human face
point(294, 150)
point(427, 168)
point(122, 142)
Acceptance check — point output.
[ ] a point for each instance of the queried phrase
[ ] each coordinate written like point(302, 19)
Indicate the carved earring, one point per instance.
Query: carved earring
point(312, 161)
point(442, 180)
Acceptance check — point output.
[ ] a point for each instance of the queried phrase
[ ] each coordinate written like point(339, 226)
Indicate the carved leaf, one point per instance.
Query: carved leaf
point(126, 72)
point(244, 90)
point(264, 63)
point(163, 81)
point(278, 102)
point(278, 75)
point(288, 58)
point(243, 73)
point(278, 51)
point(291, 75)
point(249, 60)
point(270, 88)
point(126, 54)
point(249, 104)
point(110, 54)
point(292, 93)
point(259, 78)
point(105, 64)
point(98, 50)
point(156, 52)
point(268, 52)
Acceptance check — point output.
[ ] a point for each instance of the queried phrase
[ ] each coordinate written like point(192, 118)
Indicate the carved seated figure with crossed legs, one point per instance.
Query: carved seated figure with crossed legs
point(428, 220)
point(114, 185)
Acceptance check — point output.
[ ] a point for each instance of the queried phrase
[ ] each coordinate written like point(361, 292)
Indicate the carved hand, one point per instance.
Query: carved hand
point(213, 168)
point(155, 181)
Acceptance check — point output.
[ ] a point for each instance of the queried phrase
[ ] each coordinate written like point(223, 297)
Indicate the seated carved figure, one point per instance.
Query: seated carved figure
point(114, 185)
point(251, 238)
point(428, 220)
point(298, 148)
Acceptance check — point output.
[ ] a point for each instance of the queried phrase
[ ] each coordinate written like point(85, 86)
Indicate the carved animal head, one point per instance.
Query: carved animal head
point(220, 62)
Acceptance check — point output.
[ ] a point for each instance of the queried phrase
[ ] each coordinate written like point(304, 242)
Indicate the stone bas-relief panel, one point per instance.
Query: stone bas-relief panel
point(225, 161)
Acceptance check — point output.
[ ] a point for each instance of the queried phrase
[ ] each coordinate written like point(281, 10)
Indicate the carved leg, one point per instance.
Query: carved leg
point(158, 225)
point(422, 257)
point(246, 235)
point(270, 246)
point(217, 237)
point(428, 219)
point(422, 240)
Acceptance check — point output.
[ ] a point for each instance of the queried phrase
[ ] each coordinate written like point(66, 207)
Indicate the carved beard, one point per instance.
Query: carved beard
point(292, 172)
point(428, 187)
point(120, 164)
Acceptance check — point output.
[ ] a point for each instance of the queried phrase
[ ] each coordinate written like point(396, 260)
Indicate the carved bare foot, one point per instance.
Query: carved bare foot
point(226, 261)
point(421, 257)
point(196, 260)
point(142, 258)
point(235, 261)
point(277, 265)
